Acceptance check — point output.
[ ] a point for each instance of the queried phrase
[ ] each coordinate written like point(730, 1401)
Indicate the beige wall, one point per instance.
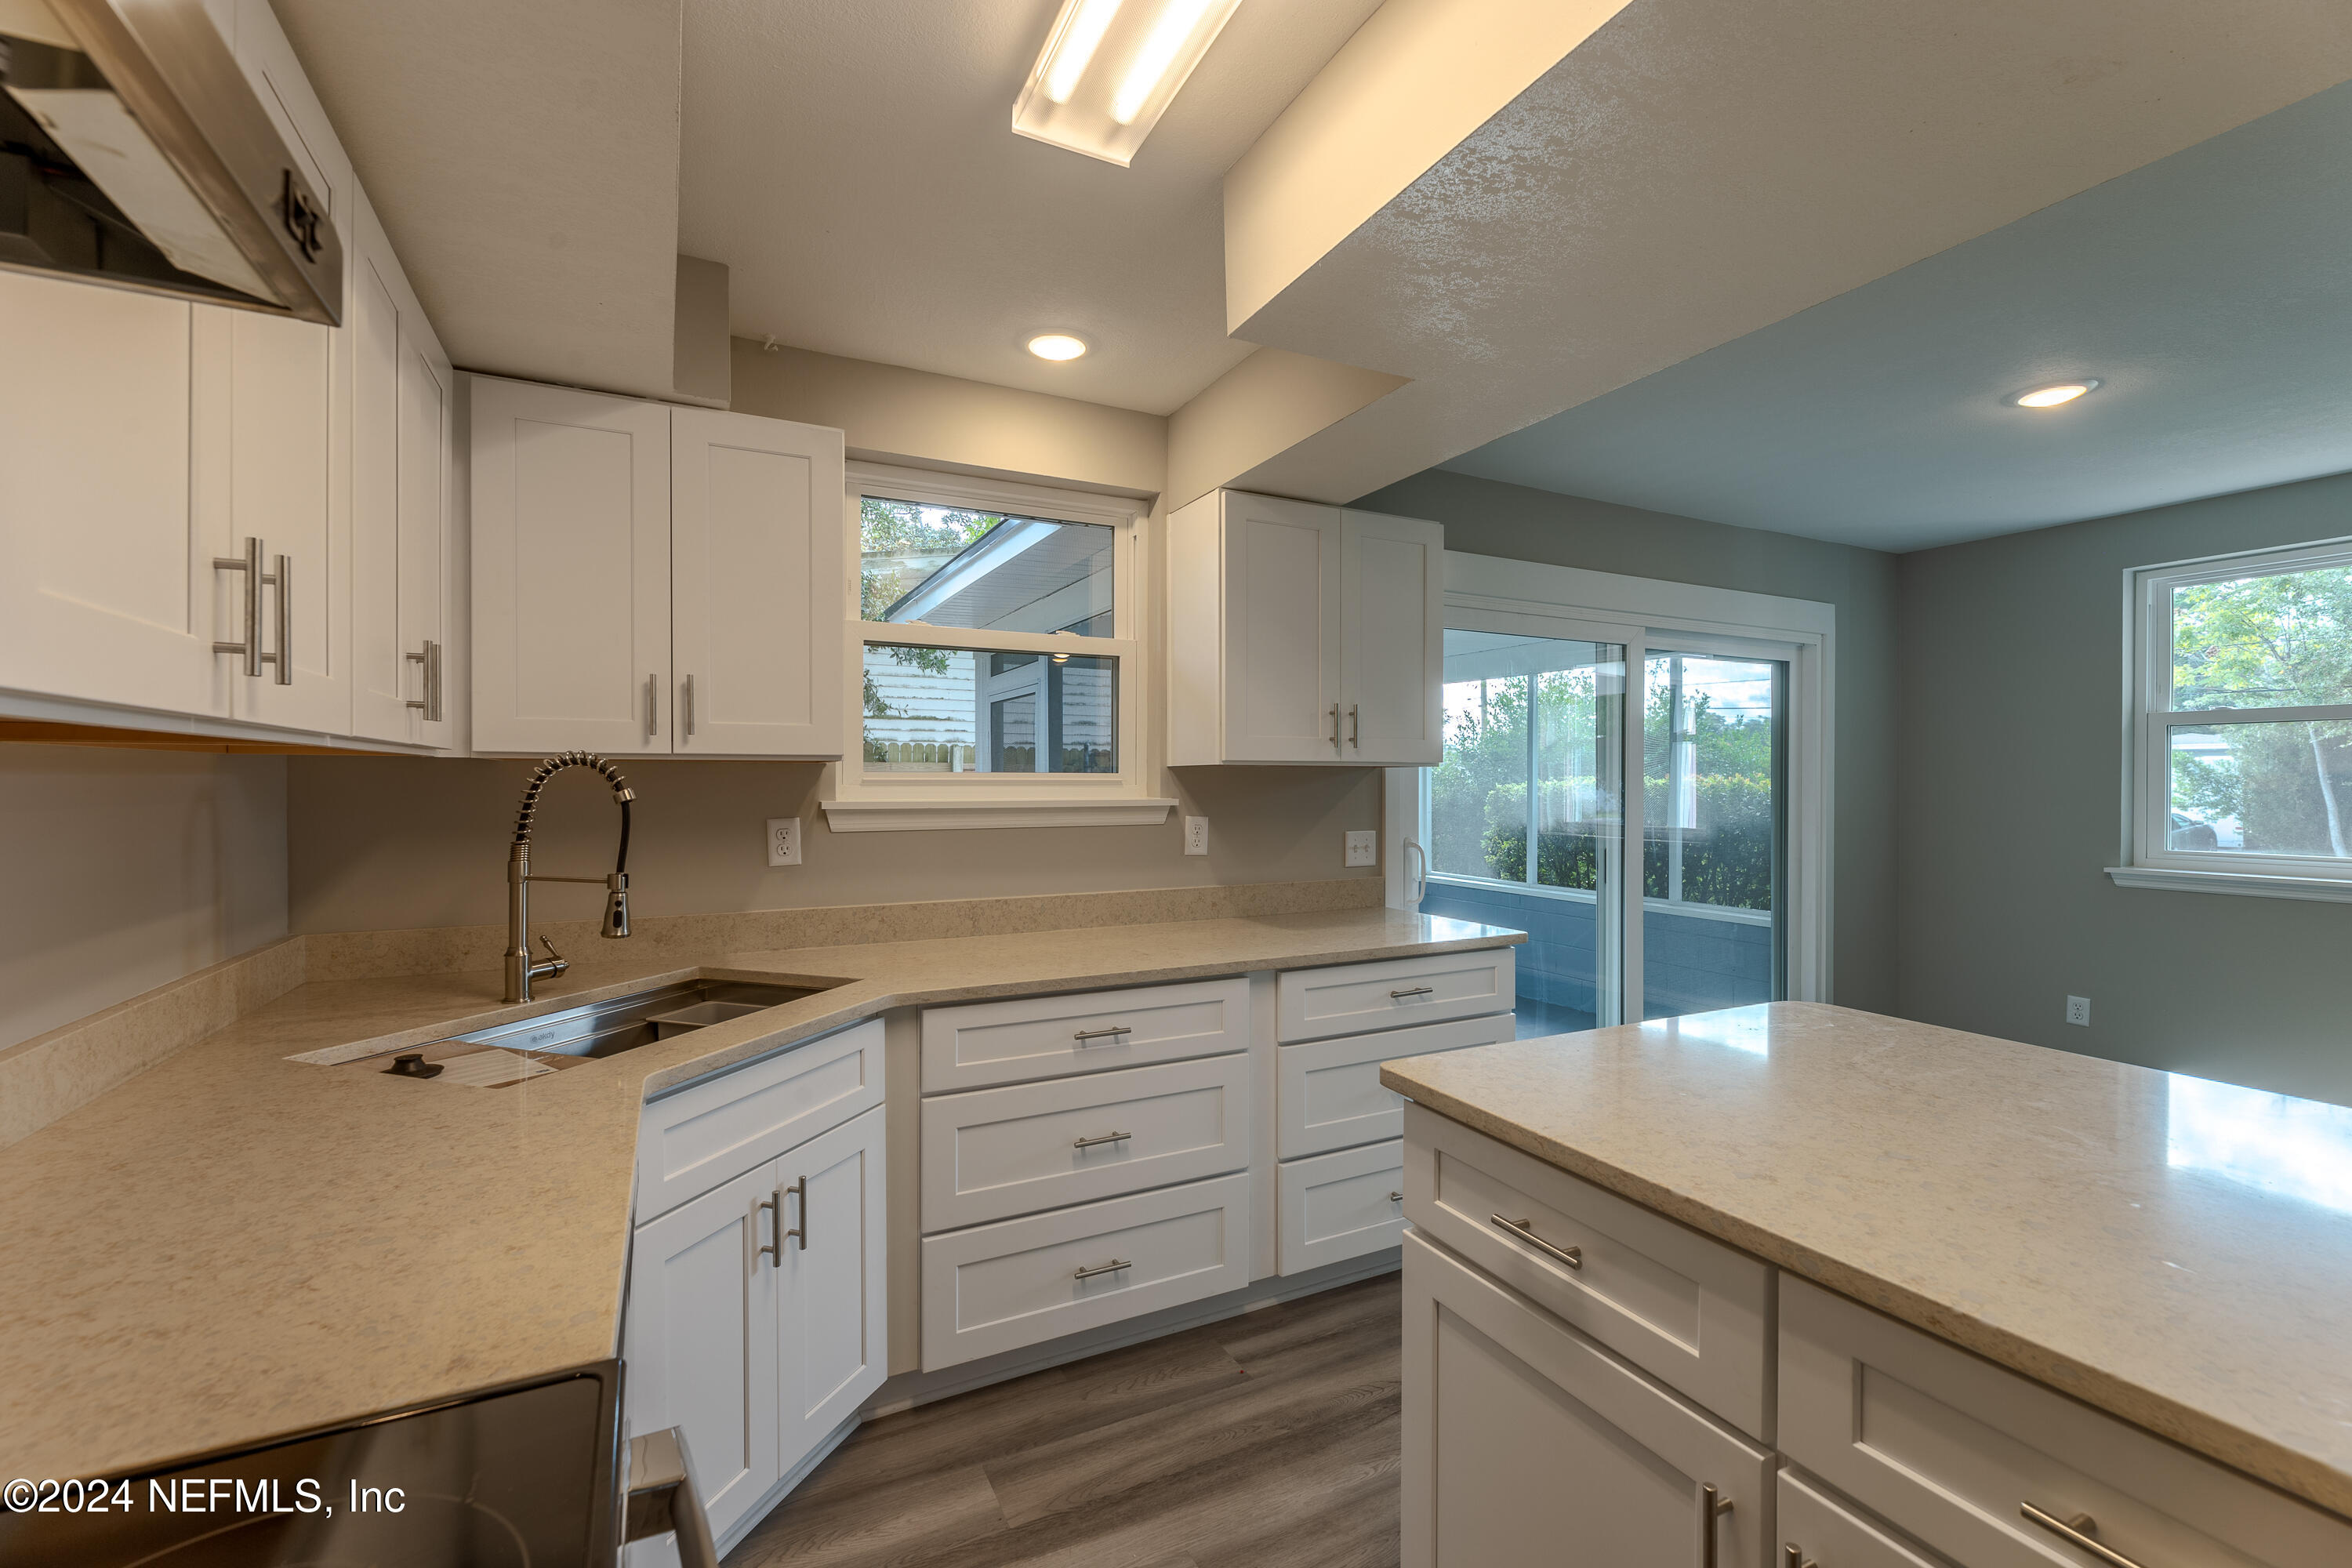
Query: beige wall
point(129, 869)
point(385, 843)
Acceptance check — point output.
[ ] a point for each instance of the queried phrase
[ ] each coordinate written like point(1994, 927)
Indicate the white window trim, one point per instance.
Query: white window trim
point(855, 801)
point(1538, 599)
point(2149, 861)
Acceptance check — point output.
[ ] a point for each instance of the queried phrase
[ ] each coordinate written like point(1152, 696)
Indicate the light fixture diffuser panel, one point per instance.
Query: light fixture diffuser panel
point(1135, 60)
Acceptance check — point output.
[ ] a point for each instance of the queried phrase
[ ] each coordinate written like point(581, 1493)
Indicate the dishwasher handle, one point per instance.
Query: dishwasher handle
point(662, 1497)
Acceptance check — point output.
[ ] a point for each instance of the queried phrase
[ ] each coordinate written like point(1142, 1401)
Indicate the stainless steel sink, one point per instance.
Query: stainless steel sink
point(620, 1024)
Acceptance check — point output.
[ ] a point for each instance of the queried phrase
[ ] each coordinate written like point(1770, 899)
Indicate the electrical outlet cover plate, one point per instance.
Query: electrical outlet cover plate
point(2078, 1010)
point(1196, 836)
point(784, 841)
point(1364, 848)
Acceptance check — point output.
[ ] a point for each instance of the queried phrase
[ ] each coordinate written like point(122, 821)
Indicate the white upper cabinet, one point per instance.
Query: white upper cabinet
point(755, 573)
point(1302, 634)
point(405, 666)
point(653, 580)
point(571, 524)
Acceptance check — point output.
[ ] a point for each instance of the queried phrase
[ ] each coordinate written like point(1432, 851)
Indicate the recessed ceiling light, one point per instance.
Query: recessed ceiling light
point(2056, 392)
point(1110, 69)
point(1057, 345)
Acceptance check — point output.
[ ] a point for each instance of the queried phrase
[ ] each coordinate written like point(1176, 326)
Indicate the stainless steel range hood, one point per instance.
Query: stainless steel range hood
point(134, 152)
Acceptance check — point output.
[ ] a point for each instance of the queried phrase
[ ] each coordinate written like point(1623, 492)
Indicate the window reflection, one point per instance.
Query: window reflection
point(1748, 1029)
point(2295, 1148)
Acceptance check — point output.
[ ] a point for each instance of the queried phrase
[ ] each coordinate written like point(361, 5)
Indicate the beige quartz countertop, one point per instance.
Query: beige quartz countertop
point(233, 1245)
point(2174, 1251)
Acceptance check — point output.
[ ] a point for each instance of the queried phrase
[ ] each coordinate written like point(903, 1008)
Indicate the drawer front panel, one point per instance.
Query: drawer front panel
point(1828, 1534)
point(998, 1287)
point(1315, 1002)
point(991, 1154)
point(1687, 1309)
point(689, 1141)
point(1341, 1206)
point(1953, 1448)
point(1332, 1095)
point(991, 1043)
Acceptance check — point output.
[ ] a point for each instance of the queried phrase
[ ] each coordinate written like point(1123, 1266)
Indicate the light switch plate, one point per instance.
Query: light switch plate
point(1364, 847)
point(784, 841)
point(1196, 836)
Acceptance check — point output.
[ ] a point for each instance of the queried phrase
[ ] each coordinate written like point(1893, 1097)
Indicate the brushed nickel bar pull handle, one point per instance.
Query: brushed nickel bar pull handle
point(653, 706)
point(1083, 1035)
point(429, 704)
point(1410, 991)
point(1335, 727)
point(1793, 1556)
point(1113, 1266)
point(1713, 1505)
point(1356, 725)
point(2080, 1531)
point(1396, 1198)
point(685, 705)
point(1106, 1138)
point(250, 564)
point(800, 1232)
point(1522, 1228)
point(283, 581)
point(773, 1249)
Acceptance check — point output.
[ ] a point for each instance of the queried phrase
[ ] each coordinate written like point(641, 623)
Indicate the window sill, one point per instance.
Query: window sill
point(930, 815)
point(2315, 890)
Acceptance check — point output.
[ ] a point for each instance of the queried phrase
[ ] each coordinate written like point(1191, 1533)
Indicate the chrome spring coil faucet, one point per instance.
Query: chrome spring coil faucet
point(520, 970)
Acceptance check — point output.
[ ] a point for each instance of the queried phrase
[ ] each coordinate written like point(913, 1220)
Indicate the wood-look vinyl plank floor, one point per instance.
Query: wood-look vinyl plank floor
point(1270, 1440)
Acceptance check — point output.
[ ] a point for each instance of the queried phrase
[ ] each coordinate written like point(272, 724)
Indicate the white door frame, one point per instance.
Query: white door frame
point(1490, 592)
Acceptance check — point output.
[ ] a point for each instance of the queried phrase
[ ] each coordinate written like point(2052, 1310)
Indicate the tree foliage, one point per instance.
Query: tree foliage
point(901, 543)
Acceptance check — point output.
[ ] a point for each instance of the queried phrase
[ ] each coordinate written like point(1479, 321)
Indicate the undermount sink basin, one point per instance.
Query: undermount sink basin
point(620, 1024)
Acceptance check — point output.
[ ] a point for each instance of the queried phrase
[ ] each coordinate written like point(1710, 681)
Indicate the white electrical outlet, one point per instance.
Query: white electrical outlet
point(1364, 848)
point(784, 841)
point(1196, 836)
point(2078, 1010)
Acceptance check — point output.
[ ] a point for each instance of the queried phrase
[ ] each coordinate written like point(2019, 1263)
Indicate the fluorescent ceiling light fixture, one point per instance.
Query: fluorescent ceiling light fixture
point(2057, 393)
point(1057, 345)
point(1110, 68)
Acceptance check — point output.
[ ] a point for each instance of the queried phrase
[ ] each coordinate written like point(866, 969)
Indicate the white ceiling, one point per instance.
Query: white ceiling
point(523, 160)
point(853, 163)
point(2210, 290)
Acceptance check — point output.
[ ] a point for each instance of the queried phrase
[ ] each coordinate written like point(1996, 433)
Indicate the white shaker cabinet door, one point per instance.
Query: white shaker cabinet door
point(1392, 663)
point(570, 588)
point(1282, 615)
point(106, 577)
point(831, 1329)
point(701, 1345)
point(403, 658)
point(756, 585)
point(271, 432)
point(1526, 1445)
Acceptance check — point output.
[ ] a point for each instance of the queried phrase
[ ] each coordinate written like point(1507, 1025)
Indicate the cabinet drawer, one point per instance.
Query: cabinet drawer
point(689, 1141)
point(1525, 1443)
point(998, 1287)
point(1340, 1206)
point(1039, 1037)
point(1952, 1449)
point(991, 1154)
point(1314, 1003)
point(1825, 1534)
point(1691, 1311)
point(1331, 1096)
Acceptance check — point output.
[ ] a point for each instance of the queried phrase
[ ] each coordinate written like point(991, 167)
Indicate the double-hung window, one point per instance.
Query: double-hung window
point(996, 649)
point(2241, 749)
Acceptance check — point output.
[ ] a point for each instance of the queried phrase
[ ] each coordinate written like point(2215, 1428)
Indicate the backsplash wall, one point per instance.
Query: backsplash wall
point(390, 843)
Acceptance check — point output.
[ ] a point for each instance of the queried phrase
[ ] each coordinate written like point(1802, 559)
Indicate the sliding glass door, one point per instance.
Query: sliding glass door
point(1528, 820)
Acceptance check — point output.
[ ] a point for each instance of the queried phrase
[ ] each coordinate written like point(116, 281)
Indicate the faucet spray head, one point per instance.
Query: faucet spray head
point(616, 905)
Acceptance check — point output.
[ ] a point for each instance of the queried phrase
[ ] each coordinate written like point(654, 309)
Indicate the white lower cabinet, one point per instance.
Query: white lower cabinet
point(1023, 1281)
point(756, 1320)
point(1822, 1533)
point(1342, 1206)
point(1527, 1444)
